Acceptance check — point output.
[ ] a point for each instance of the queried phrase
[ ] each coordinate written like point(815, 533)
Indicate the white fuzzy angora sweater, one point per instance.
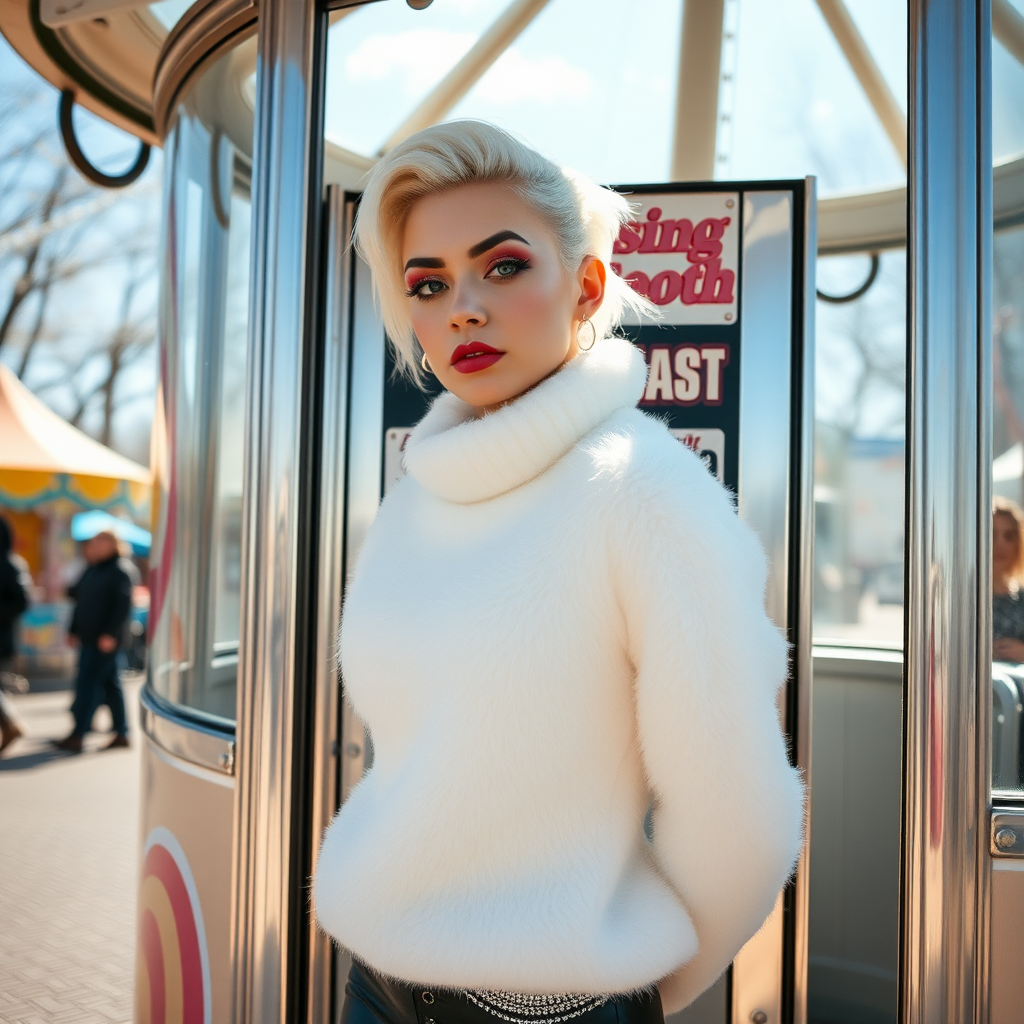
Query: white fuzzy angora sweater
point(556, 623)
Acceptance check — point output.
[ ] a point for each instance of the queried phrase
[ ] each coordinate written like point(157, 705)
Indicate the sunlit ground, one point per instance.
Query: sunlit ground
point(68, 862)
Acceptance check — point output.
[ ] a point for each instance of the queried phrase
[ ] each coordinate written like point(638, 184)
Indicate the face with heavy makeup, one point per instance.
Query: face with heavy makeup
point(492, 304)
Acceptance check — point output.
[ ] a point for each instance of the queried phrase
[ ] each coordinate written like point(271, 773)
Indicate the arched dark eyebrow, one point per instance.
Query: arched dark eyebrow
point(425, 261)
point(489, 243)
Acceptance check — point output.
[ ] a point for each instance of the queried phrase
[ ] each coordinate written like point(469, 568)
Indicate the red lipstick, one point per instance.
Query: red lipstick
point(474, 356)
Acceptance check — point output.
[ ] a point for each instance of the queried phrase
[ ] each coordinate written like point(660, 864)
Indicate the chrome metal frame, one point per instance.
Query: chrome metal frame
point(188, 737)
point(201, 34)
point(945, 884)
point(269, 932)
point(367, 414)
point(776, 435)
point(800, 724)
point(984, 258)
point(325, 744)
point(365, 470)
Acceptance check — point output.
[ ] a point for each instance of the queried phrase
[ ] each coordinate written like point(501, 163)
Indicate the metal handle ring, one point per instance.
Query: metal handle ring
point(857, 292)
point(82, 162)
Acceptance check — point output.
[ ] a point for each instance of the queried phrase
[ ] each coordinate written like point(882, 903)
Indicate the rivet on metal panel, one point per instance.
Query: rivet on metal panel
point(353, 749)
point(1007, 834)
point(759, 1017)
point(1005, 838)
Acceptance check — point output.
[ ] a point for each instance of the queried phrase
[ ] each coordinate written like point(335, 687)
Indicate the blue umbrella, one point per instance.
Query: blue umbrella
point(87, 524)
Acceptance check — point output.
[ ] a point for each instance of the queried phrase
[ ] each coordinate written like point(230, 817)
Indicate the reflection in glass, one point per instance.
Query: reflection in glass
point(859, 453)
point(1007, 519)
point(227, 554)
point(198, 449)
point(858, 603)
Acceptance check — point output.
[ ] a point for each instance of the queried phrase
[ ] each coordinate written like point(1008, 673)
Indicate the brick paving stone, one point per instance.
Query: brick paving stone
point(68, 864)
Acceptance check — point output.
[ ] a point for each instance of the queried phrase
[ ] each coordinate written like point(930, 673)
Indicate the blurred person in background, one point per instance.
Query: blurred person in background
point(103, 604)
point(1007, 576)
point(14, 590)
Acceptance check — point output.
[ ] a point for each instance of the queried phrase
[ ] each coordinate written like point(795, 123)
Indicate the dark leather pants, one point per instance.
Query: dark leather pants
point(371, 999)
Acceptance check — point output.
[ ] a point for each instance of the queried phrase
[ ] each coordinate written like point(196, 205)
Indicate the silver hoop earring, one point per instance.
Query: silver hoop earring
point(586, 321)
point(426, 365)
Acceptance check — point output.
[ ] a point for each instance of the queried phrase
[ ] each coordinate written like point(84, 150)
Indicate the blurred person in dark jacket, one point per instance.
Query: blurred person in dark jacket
point(14, 588)
point(103, 604)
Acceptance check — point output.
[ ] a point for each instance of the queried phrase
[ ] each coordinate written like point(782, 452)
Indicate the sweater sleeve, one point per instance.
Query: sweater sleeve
point(727, 805)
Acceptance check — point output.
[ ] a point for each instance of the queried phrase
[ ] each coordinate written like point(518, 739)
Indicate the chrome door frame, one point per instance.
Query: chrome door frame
point(776, 498)
point(270, 935)
point(944, 973)
point(326, 743)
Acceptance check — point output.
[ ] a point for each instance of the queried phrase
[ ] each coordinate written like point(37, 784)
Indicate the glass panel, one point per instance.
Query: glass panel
point(168, 12)
point(198, 437)
point(858, 605)
point(383, 59)
point(859, 442)
point(789, 103)
point(797, 107)
point(1008, 521)
point(227, 555)
point(1007, 100)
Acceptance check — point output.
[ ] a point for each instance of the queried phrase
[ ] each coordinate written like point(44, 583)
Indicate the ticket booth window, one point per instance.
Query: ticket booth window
point(200, 434)
point(859, 450)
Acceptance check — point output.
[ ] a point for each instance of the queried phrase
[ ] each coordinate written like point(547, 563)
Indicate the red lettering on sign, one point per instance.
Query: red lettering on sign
point(629, 238)
point(704, 282)
point(676, 236)
point(718, 283)
point(664, 287)
point(686, 374)
point(649, 231)
point(708, 283)
point(690, 279)
point(664, 235)
point(707, 239)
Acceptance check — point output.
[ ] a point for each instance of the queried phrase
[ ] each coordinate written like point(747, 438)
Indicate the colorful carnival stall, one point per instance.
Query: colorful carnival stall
point(49, 472)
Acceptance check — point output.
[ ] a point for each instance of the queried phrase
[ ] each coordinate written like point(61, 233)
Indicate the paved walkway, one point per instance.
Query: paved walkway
point(68, 862)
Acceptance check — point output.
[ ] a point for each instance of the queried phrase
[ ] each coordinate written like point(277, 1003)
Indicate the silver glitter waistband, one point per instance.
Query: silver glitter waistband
point(524, 1008)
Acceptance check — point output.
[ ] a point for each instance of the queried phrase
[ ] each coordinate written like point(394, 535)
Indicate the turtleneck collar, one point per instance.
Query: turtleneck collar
point(464, 459)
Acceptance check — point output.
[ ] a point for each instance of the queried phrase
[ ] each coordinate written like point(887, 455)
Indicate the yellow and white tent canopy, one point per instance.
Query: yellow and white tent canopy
point(44, 458)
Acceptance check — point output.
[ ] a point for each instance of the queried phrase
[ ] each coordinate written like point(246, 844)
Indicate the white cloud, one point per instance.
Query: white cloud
point(423, 56)
point(515, 77)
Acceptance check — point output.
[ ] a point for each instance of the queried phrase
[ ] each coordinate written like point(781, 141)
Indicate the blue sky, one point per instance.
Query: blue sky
point(592, 83)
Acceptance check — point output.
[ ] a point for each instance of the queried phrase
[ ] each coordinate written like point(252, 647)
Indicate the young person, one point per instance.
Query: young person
point(1007, 575)
point(555, 632)
point(103, 605)
point(14, 601)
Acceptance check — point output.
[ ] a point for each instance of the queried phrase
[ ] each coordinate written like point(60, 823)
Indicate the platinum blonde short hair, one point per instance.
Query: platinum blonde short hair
point(585, 217)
